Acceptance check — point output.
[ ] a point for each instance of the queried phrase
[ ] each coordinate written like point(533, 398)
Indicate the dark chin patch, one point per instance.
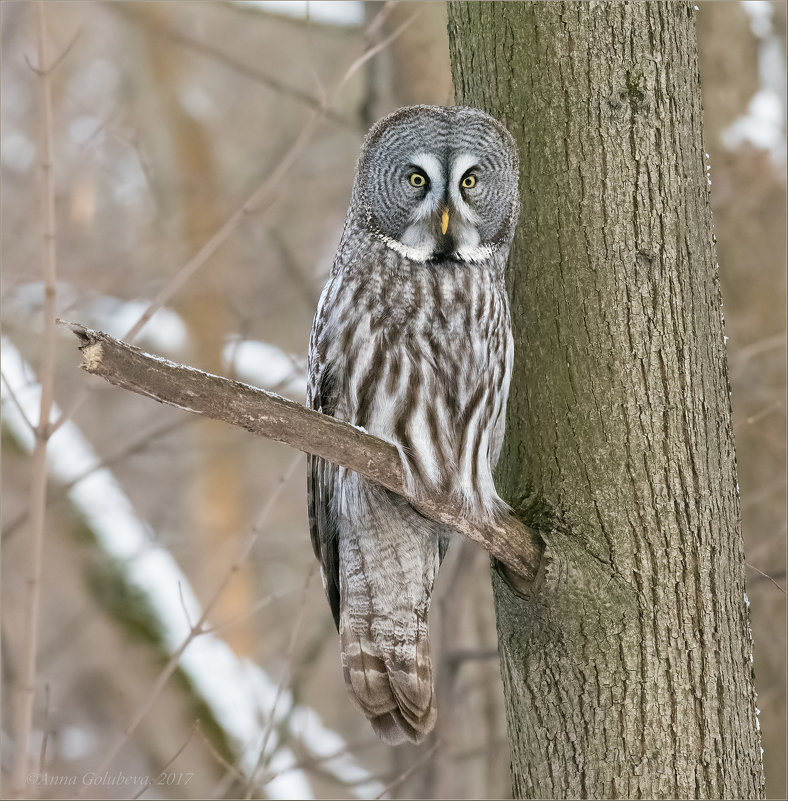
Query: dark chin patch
point(446, 248)
point(442, 256)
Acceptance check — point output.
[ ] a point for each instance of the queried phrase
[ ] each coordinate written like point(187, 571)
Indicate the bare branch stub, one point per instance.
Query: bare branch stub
point(269, 415)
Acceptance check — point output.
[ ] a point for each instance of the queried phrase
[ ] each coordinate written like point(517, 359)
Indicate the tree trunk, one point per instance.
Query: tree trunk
point(627, 666)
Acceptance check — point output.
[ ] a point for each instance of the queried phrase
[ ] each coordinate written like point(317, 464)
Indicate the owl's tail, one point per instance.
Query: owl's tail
point(389, 558)
point(395, 694)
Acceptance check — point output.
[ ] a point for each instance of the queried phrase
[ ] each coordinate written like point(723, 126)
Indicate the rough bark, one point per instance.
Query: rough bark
point(270, 415)
point(627, 666)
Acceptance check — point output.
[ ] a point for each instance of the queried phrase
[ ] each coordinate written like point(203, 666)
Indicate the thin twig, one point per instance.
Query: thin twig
point(373, 29)
point(286, 668)
point(221, 788)
point(255, 73)
point(42, 757)
point(262, 196)
point(255, 203)
point(374, 50)
point(480, 750)
point(473, 654)
point(11, 394)
point(311, 50)
point(183, 606)
point(73, 407)
point(56, 63)
point(774, 406)
point(197, 629)
point(313, 762)
point(193, 729)
point(409, 772)
point(128, 449)
point(253, 609)
point(766, 576)
point(230, 769)
point(226, 60)
point(38, 484)
point(763, 345)
point(462, 655)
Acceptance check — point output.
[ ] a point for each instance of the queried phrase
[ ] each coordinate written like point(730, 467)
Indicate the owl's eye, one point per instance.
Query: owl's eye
point(468, 182)
point(417, 179)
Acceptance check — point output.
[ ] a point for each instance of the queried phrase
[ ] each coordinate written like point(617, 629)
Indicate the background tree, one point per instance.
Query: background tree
point(627, 667)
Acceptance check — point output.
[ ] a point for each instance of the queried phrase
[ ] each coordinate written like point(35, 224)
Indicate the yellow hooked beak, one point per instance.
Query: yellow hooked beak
point(445, 221)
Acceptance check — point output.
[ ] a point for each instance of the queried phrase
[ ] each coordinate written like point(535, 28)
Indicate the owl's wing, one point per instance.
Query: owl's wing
point(321, 483)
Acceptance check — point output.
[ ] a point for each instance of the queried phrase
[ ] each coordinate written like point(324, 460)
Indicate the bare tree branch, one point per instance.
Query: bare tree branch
point(257, 202)
point(145, 440)
point(26, 690)
point(253, 783)
point(148, 782)
point(272, 416)
point(264, 194)
point(229, 61)
point(407, 773)
point(766, 576)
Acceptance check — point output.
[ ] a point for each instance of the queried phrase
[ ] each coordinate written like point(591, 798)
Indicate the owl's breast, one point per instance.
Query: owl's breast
point(419, 354)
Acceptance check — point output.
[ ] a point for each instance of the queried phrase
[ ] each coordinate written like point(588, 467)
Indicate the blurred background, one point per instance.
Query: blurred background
point(204, 153)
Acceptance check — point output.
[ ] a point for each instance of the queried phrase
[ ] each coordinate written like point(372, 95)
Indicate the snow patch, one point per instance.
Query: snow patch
point(760, 15)
point(17, 151)
point(76, 742)
point(763, 126)
point(334, 12)
point(165, 331)
point(266, 365)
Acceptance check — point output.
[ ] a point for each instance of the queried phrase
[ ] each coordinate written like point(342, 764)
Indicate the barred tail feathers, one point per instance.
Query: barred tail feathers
point(399, 699)
point(389, 557)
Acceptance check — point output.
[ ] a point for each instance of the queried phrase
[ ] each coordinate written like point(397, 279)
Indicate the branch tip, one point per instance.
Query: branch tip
point(83, 334)
point(89, 343)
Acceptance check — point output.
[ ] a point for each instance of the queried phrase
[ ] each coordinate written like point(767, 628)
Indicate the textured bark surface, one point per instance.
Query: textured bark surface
point(627, 667)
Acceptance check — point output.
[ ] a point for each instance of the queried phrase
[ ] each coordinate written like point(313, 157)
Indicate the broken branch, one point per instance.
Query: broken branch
point(269, 415)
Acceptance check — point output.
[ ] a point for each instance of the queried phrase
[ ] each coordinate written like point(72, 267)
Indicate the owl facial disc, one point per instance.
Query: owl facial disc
point(439, 184)
point(442, 225)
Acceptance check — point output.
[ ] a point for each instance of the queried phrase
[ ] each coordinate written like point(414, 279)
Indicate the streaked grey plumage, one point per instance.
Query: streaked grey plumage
point(412, 341)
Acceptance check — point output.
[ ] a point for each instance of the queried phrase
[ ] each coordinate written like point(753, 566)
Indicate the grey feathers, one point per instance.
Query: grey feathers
point(412, 341)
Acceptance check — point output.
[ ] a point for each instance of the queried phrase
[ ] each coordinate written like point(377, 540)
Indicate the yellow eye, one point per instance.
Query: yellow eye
point(468, 182)
point(417, 179)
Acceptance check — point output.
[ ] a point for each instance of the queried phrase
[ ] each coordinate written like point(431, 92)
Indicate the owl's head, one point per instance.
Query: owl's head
point(439, 183)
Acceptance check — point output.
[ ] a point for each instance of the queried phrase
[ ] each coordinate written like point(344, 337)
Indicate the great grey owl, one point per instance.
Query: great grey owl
point(411, 341)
